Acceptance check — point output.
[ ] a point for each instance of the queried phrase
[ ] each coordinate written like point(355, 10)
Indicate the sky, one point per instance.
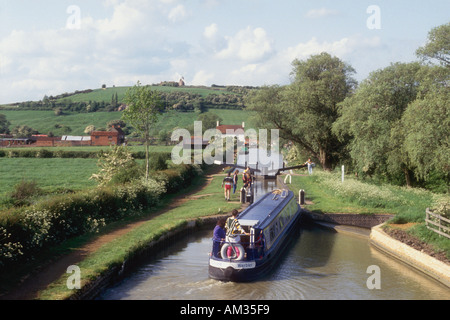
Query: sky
point(52, 47)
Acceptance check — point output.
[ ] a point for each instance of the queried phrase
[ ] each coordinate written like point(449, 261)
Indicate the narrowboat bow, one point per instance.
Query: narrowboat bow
point(270, 221)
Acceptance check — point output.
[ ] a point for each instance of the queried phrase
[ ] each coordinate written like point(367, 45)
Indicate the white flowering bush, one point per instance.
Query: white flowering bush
point(94, 225)
point(111, 163)
point(40, 223)
point(441, 205)
point(359, 192)
point(8, 250)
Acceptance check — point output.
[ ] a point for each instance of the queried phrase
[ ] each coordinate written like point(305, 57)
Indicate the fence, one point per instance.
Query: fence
point(437, 223)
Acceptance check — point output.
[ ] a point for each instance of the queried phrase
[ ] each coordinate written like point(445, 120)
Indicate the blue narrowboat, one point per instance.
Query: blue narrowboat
point(270, 221)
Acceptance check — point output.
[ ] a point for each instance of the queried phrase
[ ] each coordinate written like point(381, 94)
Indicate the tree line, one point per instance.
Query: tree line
point(394, 125)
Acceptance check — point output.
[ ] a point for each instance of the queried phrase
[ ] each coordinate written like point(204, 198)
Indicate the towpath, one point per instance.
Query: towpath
point(33, 283)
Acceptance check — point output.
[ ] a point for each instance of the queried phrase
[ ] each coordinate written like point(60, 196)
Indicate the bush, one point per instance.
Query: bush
point(362, 193)
point(158, 162)
point(23, 191)
point(44, 154)
point(128, 174)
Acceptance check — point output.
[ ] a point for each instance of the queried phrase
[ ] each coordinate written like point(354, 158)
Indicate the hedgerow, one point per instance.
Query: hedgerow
point(25, 231)
point(45, 153)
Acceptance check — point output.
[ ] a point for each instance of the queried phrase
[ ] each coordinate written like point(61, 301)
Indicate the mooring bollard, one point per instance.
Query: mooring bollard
point(301, 196)
point(243, 195)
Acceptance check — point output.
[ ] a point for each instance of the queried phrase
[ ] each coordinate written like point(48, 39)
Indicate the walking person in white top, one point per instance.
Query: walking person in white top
point(310, 165)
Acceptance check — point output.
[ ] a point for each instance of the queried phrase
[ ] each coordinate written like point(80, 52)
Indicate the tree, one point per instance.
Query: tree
point(438, 45)
point(305, 110)
point(144, 106)
point(164, 136)
point(209, 120)
point(4, 124)
point(426, 123)
point(111, 163)
point(371, 117)
point(89, 129)
point(23, 131)
point(116, 124)
point(58, 111)
point(114, 100)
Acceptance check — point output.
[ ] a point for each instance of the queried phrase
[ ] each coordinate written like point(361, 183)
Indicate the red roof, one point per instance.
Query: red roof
point(223, 128)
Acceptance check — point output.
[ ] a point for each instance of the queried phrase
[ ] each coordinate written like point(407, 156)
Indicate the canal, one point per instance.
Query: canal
point(321, 264)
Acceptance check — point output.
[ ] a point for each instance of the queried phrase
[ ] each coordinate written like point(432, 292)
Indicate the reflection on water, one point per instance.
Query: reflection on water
point(321, 264)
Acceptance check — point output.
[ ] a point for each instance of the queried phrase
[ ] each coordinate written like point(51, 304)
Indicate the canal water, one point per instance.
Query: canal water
point(320, 264)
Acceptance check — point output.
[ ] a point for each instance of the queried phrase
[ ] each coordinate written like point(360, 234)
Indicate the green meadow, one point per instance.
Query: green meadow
point(51, 175)
point(106, 94)
point(46, 121)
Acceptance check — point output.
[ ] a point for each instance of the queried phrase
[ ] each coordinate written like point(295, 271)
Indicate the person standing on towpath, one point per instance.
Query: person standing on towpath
point(235, 180)
point(226, 184)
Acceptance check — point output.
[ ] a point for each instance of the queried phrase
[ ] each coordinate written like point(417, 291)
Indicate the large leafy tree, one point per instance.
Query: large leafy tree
point(369, 116)
point(144, 106)
point(305, 110)
point(426, 123)
point(438, 45)
point(385, 137)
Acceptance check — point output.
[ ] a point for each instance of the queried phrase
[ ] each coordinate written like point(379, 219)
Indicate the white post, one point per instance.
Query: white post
point(290, 178)
point(343, 170)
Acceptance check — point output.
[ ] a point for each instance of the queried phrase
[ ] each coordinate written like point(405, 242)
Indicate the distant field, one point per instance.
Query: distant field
point(56, 174)
point(106, 94)
point(50, 174)
point(45, 121)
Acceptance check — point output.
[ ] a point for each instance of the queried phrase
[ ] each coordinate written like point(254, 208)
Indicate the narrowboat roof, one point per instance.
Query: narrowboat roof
point(261, 213)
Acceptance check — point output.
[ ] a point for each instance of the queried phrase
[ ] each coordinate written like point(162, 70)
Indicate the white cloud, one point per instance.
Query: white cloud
point(211, 31)
point(178, 13)
point(277, 67)
point(321, 13)
point(203, 78)
point(248, 44)
point(313, 46)
point(144, 40)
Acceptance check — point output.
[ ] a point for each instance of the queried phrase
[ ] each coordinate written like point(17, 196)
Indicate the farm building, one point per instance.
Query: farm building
point(115, 136)
point(14, 142)
point(70, 141)
point(195, 141)
point(42, 140)
point(230, 130)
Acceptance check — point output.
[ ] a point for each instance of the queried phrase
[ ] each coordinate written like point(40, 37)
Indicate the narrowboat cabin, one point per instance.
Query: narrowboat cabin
point(270, 222)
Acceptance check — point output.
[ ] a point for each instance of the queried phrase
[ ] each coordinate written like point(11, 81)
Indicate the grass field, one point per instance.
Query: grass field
point(106, 94)
point(55, 174)
point(46, 121)
point(51, 175)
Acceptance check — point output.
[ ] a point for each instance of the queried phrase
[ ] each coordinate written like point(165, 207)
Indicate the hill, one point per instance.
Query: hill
point(185, 98)
point(105, 94)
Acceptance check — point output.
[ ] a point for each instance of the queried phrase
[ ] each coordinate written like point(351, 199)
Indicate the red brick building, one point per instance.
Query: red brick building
point(115, 136)
point(45, 141)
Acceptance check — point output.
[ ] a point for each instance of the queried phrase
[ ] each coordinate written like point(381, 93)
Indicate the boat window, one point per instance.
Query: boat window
point(272, 234)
